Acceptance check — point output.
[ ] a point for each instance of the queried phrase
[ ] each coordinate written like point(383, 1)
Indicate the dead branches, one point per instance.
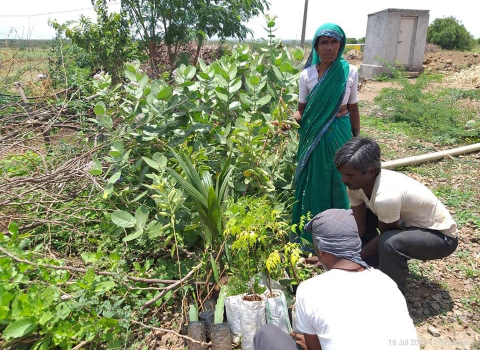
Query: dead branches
point(174, 283)
point(173, 286)
point(163, 330)
point(45, 162)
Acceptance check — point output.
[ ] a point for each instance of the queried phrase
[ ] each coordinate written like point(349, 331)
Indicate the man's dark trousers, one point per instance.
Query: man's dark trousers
point(396, 247)
point(271, 337)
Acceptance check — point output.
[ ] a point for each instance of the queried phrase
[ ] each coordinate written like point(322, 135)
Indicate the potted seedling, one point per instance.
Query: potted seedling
point(276, 303)
point(252, 308)
point(220, 332)
point(257, 225)
point(196, 329)
point(234, 293)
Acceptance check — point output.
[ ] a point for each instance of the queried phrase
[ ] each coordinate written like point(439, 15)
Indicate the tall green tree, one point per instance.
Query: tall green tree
point(450, 34)
point(176, 22)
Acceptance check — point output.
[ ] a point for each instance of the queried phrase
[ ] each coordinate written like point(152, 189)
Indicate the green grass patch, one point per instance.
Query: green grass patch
point(432, 116)
point(462, 201)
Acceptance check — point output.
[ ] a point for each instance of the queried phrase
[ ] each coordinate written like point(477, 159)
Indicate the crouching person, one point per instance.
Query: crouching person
point(351, 306)
point(412, 222)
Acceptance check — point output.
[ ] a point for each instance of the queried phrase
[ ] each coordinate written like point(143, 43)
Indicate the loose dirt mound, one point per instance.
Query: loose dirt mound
point(467, 79)
point(449, 61)
point(354, 55)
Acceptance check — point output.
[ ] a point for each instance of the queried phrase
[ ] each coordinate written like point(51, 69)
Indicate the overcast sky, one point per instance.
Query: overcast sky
point(350, 15)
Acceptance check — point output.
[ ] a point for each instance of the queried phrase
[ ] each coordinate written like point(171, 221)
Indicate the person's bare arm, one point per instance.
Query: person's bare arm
point(372, 247)
point(312, 342)
point(354, 118)
point(298, 114)
point(360, 215)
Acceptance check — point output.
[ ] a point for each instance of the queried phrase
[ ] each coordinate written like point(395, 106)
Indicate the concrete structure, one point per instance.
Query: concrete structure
point(396, 36)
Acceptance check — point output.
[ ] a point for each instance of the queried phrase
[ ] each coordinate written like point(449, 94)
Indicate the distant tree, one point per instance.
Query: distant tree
point(176, 22)
point(352, 41)
point(450, 34)
point(361, 40)
point(108, 42)
point(478, 41)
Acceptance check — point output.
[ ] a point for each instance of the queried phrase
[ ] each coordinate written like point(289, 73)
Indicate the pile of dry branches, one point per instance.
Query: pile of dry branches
point(43, 138)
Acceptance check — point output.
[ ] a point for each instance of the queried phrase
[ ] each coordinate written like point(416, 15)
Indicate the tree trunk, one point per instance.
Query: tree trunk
point(152, 53)
point(197, 53)
point(170, 55)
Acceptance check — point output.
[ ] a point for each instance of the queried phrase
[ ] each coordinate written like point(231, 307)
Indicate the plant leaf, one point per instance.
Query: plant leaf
point(20, 328)
point(141, 216)
point(133, 236)
point(264, 100)
point(99, 108)
point(123, 219)
point(105, 121)
point(165, 93)
point(192, 191)
point(190, 72)
point(96, 168)
point(214, 269)
point(114, 178)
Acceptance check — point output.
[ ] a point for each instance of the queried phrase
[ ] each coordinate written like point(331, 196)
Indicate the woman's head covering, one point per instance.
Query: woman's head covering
point(335, 231)
point(331, 30)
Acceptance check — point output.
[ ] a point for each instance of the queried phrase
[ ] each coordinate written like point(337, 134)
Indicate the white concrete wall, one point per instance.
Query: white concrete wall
point(383, 29)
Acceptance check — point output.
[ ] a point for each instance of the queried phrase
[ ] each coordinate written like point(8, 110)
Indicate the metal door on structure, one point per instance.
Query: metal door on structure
point(405, 40)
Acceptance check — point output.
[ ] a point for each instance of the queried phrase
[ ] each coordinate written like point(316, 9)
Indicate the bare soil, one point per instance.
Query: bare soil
point(253, 297)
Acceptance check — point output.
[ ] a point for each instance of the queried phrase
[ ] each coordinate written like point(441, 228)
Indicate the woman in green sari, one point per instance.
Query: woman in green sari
point(328, 116)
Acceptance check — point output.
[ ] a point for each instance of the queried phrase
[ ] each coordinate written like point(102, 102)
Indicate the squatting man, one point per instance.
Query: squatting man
point(351, 306)
point(412, 222)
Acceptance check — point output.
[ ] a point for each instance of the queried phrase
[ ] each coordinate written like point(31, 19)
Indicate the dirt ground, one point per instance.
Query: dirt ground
point(439, 293)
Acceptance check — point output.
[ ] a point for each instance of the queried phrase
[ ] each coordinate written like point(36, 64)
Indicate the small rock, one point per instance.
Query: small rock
point(469, 124)
point(449, 61)
point(166, 338)
point(435, 306)
point(427, 60)
point(474, 240)
point(417, 304)
point(475, 55)
point(462, 319)
point(438, 296)
point(433, 331)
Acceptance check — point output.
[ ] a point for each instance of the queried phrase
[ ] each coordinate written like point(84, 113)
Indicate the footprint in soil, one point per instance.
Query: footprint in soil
point(426, 298)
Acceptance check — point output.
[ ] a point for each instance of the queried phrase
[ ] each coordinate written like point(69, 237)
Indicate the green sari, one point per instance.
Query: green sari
point(318, 183)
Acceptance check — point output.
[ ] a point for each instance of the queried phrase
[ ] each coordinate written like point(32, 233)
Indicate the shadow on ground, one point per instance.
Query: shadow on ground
point(426, 298)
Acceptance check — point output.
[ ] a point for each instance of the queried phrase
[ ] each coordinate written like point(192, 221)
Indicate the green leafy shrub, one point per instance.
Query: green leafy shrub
point(108, 41)
point(139, 212)
point(450, 34)
point(69, 66)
